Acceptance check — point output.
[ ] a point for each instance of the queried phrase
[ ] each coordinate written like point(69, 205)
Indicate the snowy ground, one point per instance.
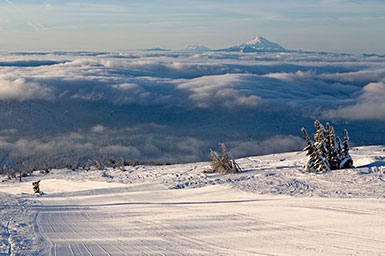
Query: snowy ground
point(272, 208)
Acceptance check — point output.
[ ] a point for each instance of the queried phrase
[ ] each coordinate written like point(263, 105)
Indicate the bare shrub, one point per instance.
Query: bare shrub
point(223, 163)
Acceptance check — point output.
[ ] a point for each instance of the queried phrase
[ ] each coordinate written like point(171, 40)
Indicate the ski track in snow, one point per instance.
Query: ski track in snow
point(272, 208)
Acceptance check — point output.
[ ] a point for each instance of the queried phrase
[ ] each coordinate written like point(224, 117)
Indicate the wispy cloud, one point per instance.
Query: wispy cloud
point(36, 25)
point(345, 25)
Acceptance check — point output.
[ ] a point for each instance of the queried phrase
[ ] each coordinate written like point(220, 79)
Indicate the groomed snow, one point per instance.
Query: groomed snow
point(272, 208)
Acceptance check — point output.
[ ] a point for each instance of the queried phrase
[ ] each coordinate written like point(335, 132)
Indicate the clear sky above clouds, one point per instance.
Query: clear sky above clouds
point(350, 26)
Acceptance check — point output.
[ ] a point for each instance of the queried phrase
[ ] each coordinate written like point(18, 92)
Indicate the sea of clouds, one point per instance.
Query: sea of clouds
point(59, 107)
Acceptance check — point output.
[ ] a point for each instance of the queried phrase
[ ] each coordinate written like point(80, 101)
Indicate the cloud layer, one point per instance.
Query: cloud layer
point(150, 105)
point(21, 90)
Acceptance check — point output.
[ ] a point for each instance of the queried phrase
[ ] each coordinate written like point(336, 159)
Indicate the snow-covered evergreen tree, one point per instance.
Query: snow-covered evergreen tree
point(334, 153)
point(328, 142)
point(339, 147)
point(326, 153)
point(346, 159)
point(311, 152)
point(320, 144)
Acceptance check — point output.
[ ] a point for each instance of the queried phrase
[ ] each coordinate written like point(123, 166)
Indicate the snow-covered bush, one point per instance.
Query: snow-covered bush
point(326, 152)
point(36, 187)
point(223, 163)
point(11, 174)
point(105, 174)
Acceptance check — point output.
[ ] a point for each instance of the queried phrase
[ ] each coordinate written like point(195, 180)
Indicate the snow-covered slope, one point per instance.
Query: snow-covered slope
point(258, 44)
point(271, 208)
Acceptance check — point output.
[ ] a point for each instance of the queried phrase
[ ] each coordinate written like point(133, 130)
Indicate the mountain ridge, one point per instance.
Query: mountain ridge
point(196, 48)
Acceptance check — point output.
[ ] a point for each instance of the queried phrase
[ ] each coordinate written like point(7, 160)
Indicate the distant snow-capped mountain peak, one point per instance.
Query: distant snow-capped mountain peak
point(257, 40)
point(261, 44)
point(196, 48)
point(258, 44)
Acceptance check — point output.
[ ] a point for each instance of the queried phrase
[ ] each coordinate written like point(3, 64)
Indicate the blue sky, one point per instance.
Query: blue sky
point(320, 25)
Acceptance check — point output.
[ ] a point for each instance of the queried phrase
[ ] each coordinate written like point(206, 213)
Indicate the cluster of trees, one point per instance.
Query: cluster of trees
point(9, 172)
point(327, 152)
point(110, 163)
